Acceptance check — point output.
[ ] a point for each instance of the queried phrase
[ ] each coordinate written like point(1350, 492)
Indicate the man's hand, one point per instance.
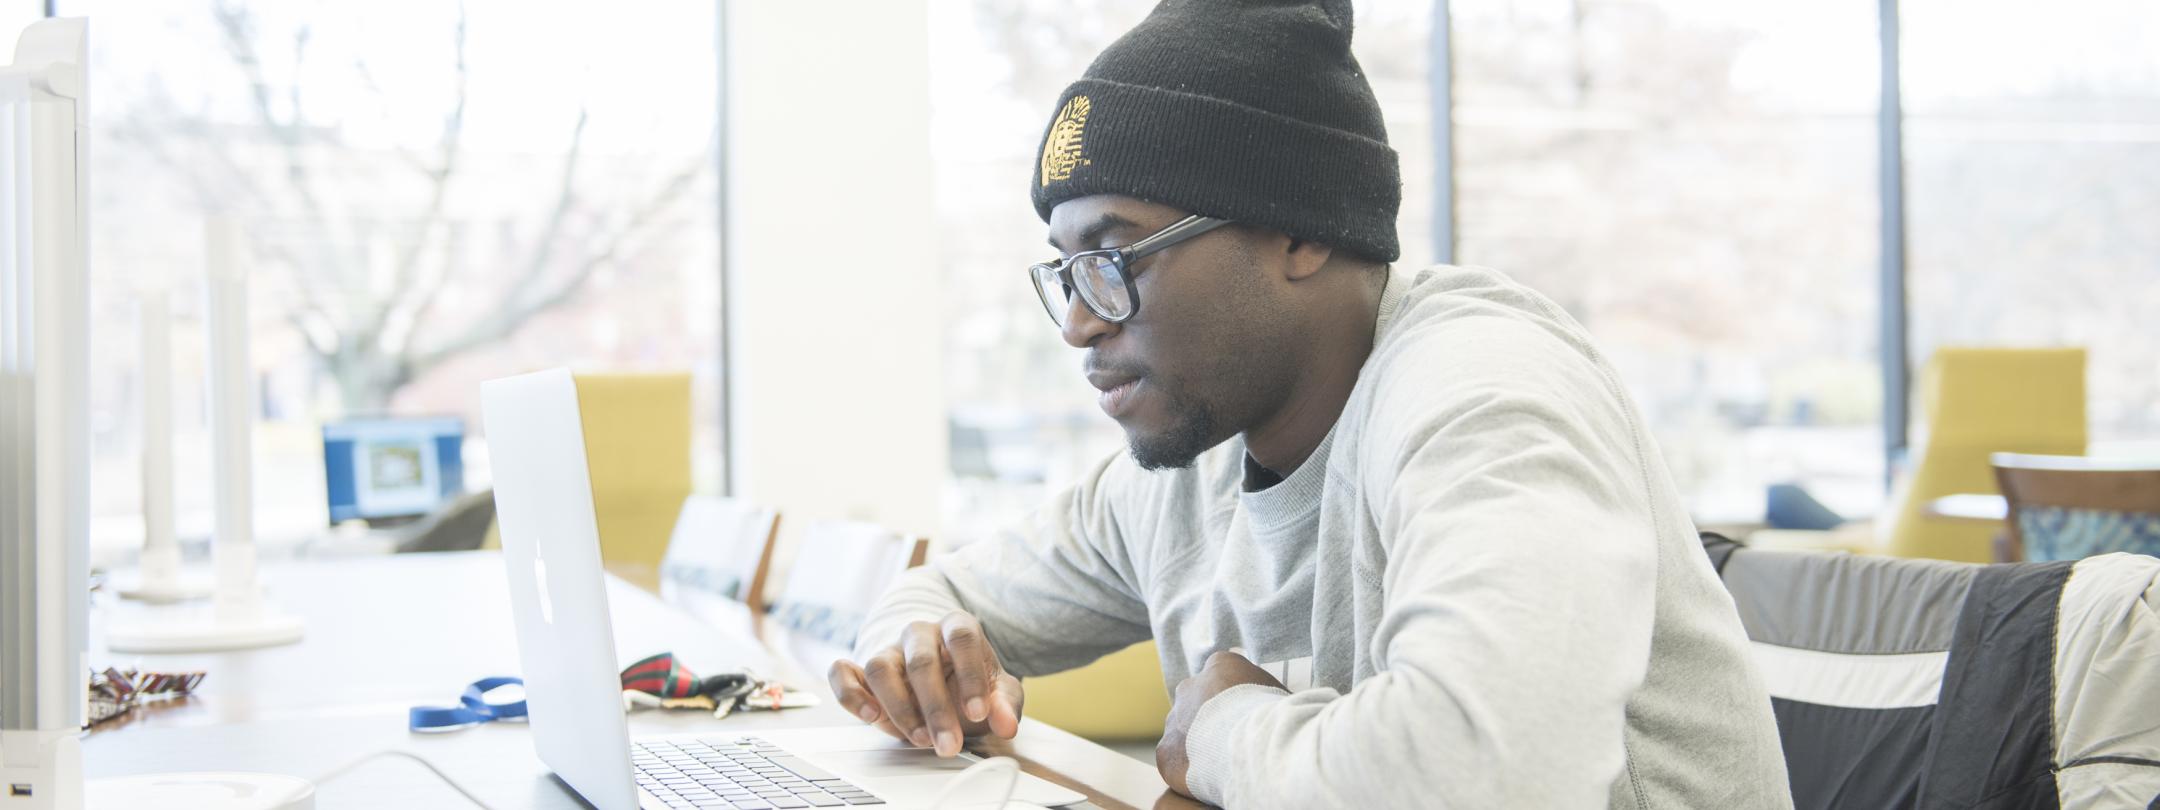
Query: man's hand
point(1223, 670)
point(938, 683)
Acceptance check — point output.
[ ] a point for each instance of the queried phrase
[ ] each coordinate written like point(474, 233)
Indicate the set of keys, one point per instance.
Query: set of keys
point(662, 682)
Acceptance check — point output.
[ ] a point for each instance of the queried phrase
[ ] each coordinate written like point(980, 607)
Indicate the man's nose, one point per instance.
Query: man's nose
point(1082, 328)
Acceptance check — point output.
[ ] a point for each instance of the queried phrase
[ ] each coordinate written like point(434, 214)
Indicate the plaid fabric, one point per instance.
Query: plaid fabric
point(2057, 533)
point(116, 691)
point(661, 676)
point(819, 621)
point(701, 577)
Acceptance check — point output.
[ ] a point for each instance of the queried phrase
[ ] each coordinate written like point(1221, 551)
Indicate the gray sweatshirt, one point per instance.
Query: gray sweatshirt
point(1481, 590)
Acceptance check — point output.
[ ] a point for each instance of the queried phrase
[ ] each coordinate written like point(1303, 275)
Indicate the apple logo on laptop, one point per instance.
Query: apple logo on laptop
point(547, 605)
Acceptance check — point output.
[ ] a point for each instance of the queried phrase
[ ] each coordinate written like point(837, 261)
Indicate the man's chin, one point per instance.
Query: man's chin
point(1154, 459)
point(1168, 450)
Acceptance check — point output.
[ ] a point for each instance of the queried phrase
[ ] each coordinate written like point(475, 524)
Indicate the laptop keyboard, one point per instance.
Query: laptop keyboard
point(742, 773)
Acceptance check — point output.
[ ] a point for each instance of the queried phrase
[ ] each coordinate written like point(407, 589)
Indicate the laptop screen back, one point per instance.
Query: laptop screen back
point(551, 550)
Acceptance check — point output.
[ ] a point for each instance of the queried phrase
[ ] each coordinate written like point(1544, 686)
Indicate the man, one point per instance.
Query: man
point(1419, 500)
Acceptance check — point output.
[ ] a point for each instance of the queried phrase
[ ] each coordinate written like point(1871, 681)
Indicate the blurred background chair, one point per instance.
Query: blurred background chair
point(2073, 507)
point(840, 568)
point(721, 548)
point(1794, 519)
point(1975, 402)
point(1930, 683)
point(1791, 506)
point(637, 450)
point(637, 444)
point(462, 525)
point(1119, 697)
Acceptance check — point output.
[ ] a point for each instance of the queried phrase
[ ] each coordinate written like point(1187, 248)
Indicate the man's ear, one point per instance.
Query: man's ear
point(1306, 258)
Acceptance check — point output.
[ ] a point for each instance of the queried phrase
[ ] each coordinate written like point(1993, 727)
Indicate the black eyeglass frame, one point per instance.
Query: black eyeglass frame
point(1120, 259)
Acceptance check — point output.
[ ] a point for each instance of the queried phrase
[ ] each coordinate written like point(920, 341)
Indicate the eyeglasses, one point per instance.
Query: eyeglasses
point(1102, 277)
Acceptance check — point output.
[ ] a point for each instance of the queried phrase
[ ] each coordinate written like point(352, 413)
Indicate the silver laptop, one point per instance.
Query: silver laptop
point(573, 691)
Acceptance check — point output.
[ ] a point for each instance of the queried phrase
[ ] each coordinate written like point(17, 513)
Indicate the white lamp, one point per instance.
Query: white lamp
point(158, 579)
point(45, 455)
point(237, 617)
point(44, 399)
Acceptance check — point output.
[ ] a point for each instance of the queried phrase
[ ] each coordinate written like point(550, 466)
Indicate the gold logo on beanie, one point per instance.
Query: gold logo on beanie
point(1061, 151)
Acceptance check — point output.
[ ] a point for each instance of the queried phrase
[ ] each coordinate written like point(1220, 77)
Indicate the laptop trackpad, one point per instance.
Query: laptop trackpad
point(890, 762)
point(913, 776)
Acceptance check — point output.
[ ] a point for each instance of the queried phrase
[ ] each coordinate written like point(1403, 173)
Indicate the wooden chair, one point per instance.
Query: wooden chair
point(721, 548)
point(808, 626)
point(2073, 507)
point(840, 570)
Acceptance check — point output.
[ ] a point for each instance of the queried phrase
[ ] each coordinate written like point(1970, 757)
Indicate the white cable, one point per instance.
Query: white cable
point(341, 770)
point(995, 766)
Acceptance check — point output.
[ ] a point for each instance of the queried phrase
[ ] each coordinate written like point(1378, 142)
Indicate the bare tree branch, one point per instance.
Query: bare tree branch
point(131, 132)
point(536, 268)
point(412, 159)
point(431, 222)
point(565, 197)
point(507, 320)
point(297, 320)
point(370, 334)
point(237, 26)
point(137, 129)
point(292, 91)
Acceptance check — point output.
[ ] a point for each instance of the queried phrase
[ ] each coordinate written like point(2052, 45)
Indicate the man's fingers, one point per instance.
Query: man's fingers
point(925, 649)
point(886, 673)
point(941, 682)
point(853, 689)
point(849, 686)
point(1004, 714)
point(974, 665)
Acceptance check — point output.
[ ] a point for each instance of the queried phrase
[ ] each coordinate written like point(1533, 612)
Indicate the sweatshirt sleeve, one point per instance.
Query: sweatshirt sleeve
point(1053, 593)
point(1520, 561)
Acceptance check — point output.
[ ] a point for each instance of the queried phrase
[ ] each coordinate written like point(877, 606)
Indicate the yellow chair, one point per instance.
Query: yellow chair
point(637, 449)
point(1978, 401)
point(1120, 696)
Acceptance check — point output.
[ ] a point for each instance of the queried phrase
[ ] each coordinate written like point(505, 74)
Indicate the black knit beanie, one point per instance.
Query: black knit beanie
point(1248, 110)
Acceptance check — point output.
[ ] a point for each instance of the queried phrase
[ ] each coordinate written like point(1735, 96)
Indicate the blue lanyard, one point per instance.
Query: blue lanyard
point(471, 711)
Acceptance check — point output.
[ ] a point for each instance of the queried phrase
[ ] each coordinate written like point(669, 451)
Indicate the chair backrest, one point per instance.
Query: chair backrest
point(2073, 507)
point(840, 570)
point(637, 446)
point(1975, 402)
point(1929, 683)
point(720, 547)
point(462, 525)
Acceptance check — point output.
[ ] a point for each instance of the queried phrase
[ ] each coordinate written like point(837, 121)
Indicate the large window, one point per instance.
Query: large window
point(429, 195)
point(1023, 419)
point(1695, 182)
point(2032, 139)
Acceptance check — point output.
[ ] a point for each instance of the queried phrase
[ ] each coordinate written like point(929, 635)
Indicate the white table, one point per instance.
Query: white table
point(387, 633)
